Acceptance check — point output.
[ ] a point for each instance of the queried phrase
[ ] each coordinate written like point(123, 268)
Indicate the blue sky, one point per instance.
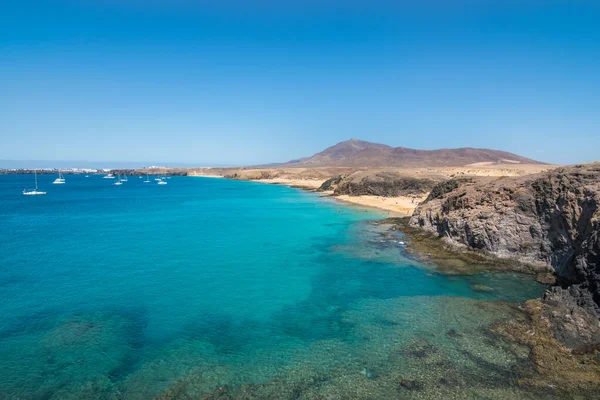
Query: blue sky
point(241, 82)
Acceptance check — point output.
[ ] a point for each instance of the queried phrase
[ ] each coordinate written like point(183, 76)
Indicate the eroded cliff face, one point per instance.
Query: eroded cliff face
point(550, 219)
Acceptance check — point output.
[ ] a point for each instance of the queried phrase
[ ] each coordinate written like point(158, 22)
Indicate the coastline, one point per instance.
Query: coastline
point(547, 320)
point(306, 184)
point(530, 331)
point(193, 175)
point(400, 206)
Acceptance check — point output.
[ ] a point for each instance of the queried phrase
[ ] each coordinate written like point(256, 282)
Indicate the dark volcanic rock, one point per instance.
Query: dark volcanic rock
point(445, 187)
point(575, 327)
point(554, 364)
point(332, 183)
point(549, 219)
point(379, 183)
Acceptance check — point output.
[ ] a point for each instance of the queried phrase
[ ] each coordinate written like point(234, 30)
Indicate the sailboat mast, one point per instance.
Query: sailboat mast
point(35, 173)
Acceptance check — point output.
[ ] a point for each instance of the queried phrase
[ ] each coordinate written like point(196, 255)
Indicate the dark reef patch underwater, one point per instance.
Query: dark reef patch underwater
point(221, 289)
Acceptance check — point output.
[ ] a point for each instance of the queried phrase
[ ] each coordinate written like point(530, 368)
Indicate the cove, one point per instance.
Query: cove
point(208, 287)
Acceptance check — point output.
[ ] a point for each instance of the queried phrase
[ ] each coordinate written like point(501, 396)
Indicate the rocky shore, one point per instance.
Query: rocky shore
point(380, 183)
point(543, 221)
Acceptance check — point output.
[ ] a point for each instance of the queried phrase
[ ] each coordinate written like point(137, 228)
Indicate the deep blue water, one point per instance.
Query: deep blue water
point(125, 291)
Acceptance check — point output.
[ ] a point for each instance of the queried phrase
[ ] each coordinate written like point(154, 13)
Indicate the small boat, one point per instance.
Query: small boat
point(60, 180)
point(158, 178)
point(118, 182)
point(147, 180)
point(161, 182)
point(87, 176)
point(108, 176)
point(124, 178)
point(33, 192)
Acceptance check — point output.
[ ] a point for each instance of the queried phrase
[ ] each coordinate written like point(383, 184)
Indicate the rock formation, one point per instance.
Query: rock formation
point(550, 219)
point(380, 183)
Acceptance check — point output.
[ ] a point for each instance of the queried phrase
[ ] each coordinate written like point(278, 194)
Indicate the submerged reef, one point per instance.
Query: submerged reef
point(478, 358)
point(75, 356)
point(553, 365)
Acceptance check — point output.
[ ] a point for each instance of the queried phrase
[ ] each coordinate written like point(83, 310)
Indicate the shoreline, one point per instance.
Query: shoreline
point(206, 176)
point(537, 333)
point(399, 206)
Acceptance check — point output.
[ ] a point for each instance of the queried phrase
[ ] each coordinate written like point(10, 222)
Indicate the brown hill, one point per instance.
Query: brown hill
point(358, 153)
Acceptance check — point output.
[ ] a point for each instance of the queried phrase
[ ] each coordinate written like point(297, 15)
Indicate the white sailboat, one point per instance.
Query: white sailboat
point(124, 178)
point(147, 179)
point(161, 182)
point(118, 182)
point(33, 192)
point(108, 176)
point(60, 180)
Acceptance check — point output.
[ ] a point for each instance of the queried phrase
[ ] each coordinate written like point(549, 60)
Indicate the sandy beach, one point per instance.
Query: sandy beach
point(397, 206)
point(312, 178)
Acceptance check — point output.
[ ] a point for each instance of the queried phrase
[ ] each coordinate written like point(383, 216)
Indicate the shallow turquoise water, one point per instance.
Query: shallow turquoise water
point(130, 291)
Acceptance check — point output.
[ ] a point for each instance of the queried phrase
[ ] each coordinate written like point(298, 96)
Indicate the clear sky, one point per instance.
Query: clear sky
point(243, 82)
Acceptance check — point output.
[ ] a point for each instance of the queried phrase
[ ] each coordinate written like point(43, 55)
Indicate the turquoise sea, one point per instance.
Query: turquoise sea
point(211, 287)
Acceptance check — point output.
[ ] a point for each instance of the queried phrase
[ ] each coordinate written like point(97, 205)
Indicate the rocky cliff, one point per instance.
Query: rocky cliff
point(550, 219)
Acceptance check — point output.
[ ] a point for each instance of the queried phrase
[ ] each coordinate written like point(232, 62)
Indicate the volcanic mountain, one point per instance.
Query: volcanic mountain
point(358, 153)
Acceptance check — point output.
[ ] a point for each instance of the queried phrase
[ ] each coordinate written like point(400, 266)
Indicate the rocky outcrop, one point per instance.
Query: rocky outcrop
point(573, 326)
point(332, 183)
point(554, 362)
point(549, 219)
point(445, 187)
point(379, 183)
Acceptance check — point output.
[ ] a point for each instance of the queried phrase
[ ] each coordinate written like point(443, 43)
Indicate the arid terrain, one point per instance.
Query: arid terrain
point(395, 190)
point(374, 174)
point(359, 153)
point(358, 169)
